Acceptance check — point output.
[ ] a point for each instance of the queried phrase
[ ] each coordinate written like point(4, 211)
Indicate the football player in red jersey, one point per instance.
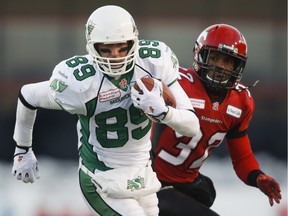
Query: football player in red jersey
point(224, 107)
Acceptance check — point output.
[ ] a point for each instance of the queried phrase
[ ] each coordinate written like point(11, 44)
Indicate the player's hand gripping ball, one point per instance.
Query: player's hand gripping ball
point(153, 98)
point(166, 92)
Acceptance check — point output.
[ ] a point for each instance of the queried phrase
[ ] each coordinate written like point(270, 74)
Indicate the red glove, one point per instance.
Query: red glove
point(270, 187)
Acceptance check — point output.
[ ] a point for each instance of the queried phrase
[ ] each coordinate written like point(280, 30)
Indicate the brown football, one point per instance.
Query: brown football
point(167, 94)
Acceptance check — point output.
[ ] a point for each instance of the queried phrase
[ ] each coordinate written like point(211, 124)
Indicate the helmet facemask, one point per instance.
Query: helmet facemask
point(215, 77)
point(114, 66)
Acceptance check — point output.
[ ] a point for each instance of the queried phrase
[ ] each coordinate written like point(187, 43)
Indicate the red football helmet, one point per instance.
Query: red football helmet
point(223, 39)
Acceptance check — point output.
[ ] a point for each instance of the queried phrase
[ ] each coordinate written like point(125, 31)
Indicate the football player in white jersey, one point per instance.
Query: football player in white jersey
point(115, 173)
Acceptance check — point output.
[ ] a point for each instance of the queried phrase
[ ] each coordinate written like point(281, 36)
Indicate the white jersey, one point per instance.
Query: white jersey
point(111, 131)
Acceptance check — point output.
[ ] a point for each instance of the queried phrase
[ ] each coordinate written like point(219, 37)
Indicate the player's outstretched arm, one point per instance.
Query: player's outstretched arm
point(248, 169)
point(31, 97)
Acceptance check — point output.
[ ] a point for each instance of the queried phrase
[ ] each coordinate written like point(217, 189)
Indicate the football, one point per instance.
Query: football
point(167, 94)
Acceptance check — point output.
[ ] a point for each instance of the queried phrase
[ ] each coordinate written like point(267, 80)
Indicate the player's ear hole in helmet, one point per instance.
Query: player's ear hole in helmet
point(225, 41)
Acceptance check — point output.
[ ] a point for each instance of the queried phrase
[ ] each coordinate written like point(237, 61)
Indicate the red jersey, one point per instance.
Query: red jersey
point(179, 158)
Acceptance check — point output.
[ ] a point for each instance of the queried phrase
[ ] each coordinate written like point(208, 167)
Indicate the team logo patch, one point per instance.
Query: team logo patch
point(215, 106)
point(90, 27)
point(58, 85)
point(234, 111)
point(109, 95)
point(136, 184)
point(123, 84)
point(197, 103)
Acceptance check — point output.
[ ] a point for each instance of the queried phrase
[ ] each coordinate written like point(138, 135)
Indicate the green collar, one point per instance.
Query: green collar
point(123, 81)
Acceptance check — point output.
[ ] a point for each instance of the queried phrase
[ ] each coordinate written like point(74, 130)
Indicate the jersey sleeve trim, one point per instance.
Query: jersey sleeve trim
point(252, 177)
point(234, 133)
point(24, 102)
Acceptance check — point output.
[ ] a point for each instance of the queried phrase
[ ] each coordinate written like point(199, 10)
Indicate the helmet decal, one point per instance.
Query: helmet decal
point(90, 27)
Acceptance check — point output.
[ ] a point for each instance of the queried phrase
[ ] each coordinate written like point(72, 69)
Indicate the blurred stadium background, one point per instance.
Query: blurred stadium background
point(36, 35)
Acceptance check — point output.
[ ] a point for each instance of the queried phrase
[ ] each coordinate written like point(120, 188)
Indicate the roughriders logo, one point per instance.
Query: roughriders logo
point(58, 85)
point(136, 184)
point(90, 27)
